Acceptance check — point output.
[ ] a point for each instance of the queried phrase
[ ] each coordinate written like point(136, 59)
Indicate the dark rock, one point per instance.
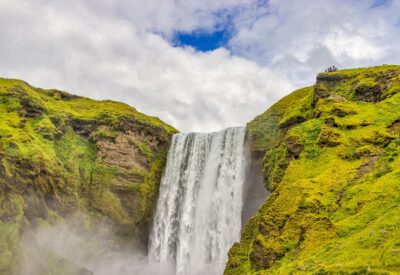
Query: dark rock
point(263, 258)
point(34, 208)
point(30, 108)
point(63, 95)
point(320, 91)
point(395, 127)
point(2, 170)
point(379, 138)
point(368, 152)
point(386, 75)
point(367, 93)
point(83, 127)
point(367, 166)
point(329, 137)
point(295, 120)
point(331, 77)
point(323, 90)
point(294, 146)
point(330, 122)
point(342, 112)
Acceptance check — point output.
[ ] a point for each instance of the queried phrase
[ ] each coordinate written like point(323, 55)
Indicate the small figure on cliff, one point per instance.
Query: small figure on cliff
point(331, 69)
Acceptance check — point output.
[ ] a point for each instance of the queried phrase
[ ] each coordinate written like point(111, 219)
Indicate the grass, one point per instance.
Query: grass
point(49, 151)
point(333, 207)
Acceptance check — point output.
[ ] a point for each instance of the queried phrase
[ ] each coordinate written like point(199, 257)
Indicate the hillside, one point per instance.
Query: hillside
point(331, 161)
point(62, 154)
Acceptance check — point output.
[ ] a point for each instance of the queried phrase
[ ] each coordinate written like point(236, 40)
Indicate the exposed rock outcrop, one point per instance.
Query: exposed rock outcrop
point(61, 155)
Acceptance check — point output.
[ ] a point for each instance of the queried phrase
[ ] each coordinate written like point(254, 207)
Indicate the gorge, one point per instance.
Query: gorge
point(311, 186)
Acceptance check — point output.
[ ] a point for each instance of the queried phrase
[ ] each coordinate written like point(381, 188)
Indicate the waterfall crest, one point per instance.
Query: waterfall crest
point(198, 215)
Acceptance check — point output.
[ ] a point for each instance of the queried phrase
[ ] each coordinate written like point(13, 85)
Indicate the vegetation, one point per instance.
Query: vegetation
point(61, 154)
point(332, 164)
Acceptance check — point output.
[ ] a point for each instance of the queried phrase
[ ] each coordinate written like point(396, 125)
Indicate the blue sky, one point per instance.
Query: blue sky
point(207, 40)
point(219, 35)
point(378, 3)
point(198, 65)
point(211, 38)
point(202, 40)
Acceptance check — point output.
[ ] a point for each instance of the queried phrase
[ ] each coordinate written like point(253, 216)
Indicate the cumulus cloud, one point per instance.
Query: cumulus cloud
point(94, 52)
point(301, 38)
point(122, 50)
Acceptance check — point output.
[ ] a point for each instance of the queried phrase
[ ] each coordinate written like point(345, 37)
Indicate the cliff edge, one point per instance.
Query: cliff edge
point(62, 155)
point(330, 155)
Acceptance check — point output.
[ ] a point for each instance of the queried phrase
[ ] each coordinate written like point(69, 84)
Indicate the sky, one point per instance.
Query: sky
point(197, 65)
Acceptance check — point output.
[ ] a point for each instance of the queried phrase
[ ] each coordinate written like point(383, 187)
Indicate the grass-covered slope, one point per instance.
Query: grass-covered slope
point(61, 154)
point(332, 164)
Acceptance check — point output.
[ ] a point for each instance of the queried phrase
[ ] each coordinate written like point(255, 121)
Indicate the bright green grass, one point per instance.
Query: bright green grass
point(334, 209)
point(42, 156)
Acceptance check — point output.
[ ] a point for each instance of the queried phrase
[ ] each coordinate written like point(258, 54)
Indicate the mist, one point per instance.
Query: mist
point(68, 248)
point(223, 192)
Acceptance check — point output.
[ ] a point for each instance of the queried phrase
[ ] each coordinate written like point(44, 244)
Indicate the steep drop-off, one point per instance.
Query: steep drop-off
point(331, 161)
point(62, 155)
point(198, 215)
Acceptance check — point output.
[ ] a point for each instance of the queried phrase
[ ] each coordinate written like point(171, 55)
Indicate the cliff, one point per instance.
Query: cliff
point(62, 154)
point(330, 156)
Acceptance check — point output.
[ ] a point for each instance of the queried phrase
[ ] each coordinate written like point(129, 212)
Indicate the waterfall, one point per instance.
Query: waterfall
point(198, 215)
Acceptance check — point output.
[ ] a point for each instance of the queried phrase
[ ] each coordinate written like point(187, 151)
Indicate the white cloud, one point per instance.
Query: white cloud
point(72, 48)
point(120, 50)
point(304, 37)
point(345, 45)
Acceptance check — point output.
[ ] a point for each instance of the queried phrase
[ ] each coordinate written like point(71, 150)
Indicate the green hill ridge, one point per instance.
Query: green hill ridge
point(331, 159)
point(62, 154)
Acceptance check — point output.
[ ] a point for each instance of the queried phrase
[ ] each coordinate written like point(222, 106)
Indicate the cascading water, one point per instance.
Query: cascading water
point(198, 215)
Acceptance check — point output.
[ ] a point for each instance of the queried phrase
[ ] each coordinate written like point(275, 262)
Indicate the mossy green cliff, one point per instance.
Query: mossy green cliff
point(61, 154)
point(331, 159)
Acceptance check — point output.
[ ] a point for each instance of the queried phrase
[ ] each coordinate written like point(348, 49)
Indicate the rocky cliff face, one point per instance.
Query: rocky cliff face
point(61, 155)
point(331, 161)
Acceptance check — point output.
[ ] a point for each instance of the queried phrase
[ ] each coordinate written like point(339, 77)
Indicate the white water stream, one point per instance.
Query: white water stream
point(198, 215)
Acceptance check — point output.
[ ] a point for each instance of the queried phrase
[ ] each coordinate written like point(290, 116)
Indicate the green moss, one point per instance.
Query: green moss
point(149, 190)
point(104, 132)
point(75, 152)
point(46, 128)
point(335, 180)
point(8, 241)
point(275, 163)
point(145, 150)
point(265, 128)
point(66, 154)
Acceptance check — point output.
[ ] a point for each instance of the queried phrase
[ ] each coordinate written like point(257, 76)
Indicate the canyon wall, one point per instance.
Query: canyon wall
point(64, 157)
point(330, 157)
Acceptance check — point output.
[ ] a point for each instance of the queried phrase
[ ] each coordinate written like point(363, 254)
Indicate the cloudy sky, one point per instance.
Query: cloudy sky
point(200, 65)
